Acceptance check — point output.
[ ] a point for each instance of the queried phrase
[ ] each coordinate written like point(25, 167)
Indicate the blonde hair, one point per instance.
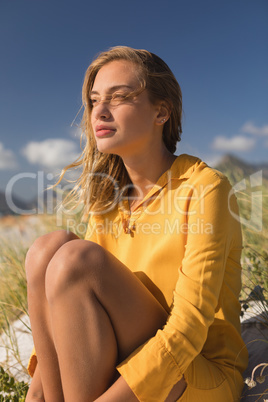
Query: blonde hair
point(103, 175)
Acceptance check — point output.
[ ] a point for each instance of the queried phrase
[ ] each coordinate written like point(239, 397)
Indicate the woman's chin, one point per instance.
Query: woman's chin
point(105, 149)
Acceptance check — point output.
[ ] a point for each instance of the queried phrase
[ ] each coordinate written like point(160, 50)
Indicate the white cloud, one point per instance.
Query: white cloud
point(250, 128)
point(51, 153)
point(237, 143)
point(75, 132)
point(7, 158)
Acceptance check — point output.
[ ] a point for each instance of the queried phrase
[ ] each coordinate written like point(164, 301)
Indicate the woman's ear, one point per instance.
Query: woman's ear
point(163, 113)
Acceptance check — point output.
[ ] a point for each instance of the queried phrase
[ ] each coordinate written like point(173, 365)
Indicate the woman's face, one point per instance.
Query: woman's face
point(123, 126)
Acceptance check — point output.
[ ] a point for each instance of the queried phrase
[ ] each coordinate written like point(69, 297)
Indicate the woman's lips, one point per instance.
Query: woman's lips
point(102, 131)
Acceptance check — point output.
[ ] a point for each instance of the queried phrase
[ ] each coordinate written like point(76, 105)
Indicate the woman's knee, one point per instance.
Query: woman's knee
point(77, 263)
point(41, 252)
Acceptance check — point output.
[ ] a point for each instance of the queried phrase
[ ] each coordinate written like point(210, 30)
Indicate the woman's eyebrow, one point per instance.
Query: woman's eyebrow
point(114, 88)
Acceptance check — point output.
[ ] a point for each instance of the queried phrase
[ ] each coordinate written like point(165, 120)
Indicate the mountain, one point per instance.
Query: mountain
point(46, 201)
point(236, 169)
point(6, 208)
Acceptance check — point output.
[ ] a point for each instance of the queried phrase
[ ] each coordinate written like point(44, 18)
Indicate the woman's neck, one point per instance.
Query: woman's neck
point(144, 171)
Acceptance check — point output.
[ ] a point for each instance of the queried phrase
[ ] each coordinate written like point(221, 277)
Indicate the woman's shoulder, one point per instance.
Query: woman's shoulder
point(193, 169)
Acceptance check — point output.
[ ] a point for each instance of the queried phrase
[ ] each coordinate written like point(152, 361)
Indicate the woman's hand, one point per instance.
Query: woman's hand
point(35, 393)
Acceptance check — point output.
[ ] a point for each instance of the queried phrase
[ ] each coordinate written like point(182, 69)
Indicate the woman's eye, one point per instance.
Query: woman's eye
point(114, 99)
point(118, 96)
point(93, 100)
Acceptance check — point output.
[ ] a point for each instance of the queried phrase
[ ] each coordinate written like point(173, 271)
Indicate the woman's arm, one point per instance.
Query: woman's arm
point(118, 392)
point(196, 294)
point(121, 392)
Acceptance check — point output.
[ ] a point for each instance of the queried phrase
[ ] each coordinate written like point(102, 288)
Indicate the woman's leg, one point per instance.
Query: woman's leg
point(37, 260)
point(96, 313)
point(100, 312)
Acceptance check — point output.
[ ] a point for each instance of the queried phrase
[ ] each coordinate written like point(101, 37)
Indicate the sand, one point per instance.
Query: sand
point(16, 348)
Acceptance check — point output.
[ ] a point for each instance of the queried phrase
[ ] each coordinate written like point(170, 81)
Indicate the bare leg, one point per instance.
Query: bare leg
point(38, 257)
point(95, 312)
point(100, 313)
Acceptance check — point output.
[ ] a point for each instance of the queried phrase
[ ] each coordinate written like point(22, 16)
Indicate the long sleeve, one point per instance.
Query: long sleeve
point(153, 369)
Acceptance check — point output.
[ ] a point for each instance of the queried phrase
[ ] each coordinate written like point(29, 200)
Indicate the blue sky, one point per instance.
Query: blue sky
point(216, 49)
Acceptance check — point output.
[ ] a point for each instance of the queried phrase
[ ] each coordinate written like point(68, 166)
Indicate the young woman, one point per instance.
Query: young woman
point(146, 307)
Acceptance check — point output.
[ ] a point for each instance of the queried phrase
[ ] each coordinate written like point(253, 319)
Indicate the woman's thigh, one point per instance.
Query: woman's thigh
point(134, 312)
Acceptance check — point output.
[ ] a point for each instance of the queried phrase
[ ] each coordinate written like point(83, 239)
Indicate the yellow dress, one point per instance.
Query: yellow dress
point(184, 243)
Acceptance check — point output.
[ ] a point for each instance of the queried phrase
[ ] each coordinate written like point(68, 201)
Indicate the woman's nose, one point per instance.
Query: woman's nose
point(101, 111)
